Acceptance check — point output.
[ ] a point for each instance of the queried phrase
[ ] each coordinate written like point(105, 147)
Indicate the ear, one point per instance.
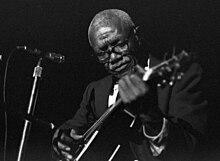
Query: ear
point(136, 31)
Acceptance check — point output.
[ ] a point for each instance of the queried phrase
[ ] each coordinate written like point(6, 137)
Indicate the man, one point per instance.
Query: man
point(167, 120)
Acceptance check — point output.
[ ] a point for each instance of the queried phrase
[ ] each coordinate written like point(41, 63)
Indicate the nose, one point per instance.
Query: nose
point(113, 57)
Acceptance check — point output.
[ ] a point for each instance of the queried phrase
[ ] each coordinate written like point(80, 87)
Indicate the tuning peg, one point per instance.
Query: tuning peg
point(177, 65)
point(160, 73)
point(172, 78)
point(171, 83)
point(180, 75)
point(168, 69)
point(159, 85)
point(164, 81)
point(162, 68)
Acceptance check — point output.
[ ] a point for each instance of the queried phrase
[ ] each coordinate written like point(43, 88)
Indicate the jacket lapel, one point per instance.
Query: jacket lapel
point(102, 92)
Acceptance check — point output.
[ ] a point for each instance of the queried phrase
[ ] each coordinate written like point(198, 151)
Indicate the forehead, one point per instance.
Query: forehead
point(105, 30)
point(107, 34)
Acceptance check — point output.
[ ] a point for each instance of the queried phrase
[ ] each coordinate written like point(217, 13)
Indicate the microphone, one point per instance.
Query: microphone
point(55, 57)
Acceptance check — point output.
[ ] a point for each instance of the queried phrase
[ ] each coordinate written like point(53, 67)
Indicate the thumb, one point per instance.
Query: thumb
point(55, 135)
point(74, 135)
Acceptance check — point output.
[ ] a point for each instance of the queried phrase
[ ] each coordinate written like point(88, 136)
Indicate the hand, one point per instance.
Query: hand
point(61, 145)
point(132, 86)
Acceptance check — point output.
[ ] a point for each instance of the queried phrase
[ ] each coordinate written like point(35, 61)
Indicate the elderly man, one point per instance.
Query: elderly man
point(166, 123)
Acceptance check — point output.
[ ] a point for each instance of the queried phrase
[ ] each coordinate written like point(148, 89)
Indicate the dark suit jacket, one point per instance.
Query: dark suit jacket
point(181, 104)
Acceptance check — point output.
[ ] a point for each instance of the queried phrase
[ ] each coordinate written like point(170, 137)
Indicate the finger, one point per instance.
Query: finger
point(123, 96)
point(62, 146)
point(65, 138)
point(141, 87)
point(55, 150)
point(140, 69)
point(56, 155)
point(132, 86)
point(124, 89)
point(74, 135)
point(135, 86)
point(67, 155)
point(56, 133)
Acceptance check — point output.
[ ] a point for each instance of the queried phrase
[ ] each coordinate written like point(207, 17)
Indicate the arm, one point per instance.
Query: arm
point(185, 116)
point(71, 131)
point(84, 116)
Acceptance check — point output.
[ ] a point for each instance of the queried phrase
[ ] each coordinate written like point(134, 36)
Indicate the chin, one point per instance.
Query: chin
point(120, 75)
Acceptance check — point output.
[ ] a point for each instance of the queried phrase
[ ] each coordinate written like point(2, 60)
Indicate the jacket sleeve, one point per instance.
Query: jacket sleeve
point(186, 114)
point(84, 116)
point(186, 121)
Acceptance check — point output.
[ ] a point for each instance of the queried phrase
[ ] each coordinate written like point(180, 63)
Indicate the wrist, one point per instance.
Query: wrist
point(152, 125)
point(150, 133)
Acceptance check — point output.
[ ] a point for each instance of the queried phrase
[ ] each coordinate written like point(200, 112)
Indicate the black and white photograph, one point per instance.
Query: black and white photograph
point(114, 80)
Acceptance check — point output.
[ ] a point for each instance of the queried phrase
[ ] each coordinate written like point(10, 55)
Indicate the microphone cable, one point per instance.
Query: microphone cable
point(4, 105)
point(54, 56)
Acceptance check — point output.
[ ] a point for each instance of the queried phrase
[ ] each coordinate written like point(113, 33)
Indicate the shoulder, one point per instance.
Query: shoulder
point(100, 82)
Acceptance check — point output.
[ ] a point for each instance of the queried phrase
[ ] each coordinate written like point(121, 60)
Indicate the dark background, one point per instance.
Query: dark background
point(61, 26)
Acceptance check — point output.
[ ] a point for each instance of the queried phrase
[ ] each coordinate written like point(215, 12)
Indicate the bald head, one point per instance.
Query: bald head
point(111, 18)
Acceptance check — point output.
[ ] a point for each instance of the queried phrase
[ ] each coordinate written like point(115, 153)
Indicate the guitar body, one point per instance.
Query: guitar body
point(114, 133)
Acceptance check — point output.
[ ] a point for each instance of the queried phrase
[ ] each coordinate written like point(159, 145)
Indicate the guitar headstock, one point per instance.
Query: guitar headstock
point(169, 70)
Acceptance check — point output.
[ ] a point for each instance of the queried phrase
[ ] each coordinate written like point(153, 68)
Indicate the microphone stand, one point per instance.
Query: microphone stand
point(31, 107)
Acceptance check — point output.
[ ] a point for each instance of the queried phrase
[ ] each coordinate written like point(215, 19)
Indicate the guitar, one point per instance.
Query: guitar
point(170, 68)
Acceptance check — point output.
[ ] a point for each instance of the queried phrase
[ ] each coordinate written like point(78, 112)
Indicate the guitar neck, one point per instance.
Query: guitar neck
point(101, 119)
point(161, 69)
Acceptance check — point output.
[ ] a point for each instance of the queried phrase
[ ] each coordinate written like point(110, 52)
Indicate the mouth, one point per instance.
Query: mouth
point(121, 67)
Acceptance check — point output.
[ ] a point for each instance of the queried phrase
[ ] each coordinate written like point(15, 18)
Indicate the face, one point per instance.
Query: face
point(112, 47)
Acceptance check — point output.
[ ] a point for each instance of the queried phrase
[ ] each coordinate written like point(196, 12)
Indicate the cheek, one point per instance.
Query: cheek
point(127, 58)
point(106, 65)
